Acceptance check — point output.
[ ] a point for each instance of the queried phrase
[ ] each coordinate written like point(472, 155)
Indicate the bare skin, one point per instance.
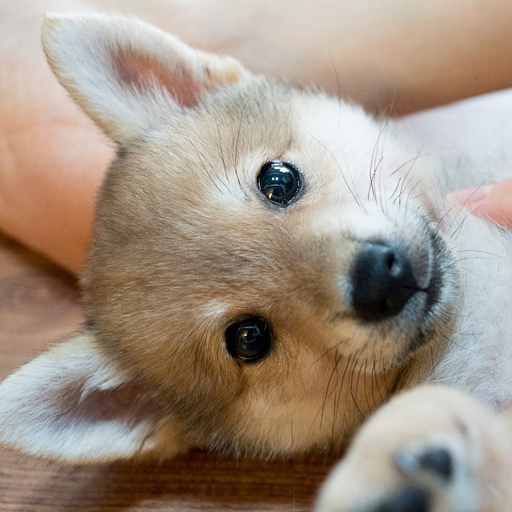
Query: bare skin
point(408, 55)
point(491, 201)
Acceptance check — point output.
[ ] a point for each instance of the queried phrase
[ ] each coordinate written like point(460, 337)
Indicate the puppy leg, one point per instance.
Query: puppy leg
point(432, 449)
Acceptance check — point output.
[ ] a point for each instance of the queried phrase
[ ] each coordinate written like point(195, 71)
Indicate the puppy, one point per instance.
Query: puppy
point(269, 266)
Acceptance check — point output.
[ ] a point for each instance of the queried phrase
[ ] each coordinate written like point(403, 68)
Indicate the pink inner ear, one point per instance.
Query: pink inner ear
point(124, 404)
point(145, 73)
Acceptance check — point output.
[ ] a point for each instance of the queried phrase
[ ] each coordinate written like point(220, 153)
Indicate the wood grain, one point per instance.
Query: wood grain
point(39, 305)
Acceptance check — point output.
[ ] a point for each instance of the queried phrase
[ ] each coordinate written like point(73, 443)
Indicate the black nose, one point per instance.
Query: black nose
point(383, 282)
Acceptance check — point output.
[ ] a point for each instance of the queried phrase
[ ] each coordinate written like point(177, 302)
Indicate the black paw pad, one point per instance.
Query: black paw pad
point(410, 499)
point(439, 461)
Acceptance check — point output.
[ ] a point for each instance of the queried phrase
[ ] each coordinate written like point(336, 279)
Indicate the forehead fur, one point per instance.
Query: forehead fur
point(173, 218)
point(176, 185)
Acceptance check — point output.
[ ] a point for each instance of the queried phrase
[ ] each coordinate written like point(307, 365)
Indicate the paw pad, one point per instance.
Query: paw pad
point(410, 499)
point(438, 461)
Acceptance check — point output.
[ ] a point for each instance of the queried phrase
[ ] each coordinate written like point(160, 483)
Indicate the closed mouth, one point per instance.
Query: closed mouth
point(434, 305)
point(433, 290)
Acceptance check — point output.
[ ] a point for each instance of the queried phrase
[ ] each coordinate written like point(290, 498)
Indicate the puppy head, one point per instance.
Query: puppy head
point(259, 275)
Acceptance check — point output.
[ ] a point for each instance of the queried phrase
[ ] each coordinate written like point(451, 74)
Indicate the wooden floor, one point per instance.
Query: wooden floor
point(39, 304)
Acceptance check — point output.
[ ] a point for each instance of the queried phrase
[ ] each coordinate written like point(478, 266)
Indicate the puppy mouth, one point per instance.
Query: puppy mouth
point(435, 316)
point(435, 285)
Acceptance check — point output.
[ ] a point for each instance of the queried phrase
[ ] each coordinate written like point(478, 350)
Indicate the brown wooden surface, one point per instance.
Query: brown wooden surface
point(39, 304)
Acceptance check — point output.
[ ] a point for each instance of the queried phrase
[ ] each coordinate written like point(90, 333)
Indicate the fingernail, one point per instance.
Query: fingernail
point(469, 195)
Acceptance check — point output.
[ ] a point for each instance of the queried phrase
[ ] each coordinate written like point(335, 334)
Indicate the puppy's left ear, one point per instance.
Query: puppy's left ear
point(72, 404)
point(125, 73)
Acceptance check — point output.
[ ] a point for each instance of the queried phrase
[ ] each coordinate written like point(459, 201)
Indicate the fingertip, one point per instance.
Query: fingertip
point(471, 195)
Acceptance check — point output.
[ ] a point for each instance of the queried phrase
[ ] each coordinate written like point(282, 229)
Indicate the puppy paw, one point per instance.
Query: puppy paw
point(433, 449)
point(435, 476)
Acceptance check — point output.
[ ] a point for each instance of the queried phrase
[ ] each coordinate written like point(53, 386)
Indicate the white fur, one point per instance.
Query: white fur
point(478, 358)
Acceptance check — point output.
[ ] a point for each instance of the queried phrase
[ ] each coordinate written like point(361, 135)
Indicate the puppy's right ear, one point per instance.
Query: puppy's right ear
point(72, 404)
point(125, 73)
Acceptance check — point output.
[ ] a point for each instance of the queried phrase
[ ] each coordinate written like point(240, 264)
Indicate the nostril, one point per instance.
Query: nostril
point(383, 282)
point(385, 306)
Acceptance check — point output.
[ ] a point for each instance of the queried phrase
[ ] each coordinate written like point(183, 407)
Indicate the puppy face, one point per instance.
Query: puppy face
point(265, 265)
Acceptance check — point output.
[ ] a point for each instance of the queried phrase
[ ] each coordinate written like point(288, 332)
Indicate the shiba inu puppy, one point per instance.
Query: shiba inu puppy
point(269, 266)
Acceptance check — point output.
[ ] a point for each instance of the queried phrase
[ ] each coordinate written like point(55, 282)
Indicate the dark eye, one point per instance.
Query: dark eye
point(248, 340)
point(279, 181)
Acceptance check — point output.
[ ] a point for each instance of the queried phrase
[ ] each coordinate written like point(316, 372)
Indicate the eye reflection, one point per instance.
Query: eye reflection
point(280, 182)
